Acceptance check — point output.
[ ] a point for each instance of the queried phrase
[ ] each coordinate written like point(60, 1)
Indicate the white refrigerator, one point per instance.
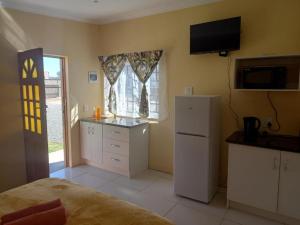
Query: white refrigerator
point(197, 141)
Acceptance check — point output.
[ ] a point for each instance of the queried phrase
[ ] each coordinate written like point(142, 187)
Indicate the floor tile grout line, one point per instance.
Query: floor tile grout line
point(175, 204)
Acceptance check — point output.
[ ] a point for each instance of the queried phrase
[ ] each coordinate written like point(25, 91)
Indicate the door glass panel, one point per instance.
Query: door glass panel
point(26, 123)
point(30, 63)
point(25, 108)
point(24, 92)
point(30, 92)
point(34, 73)
point(38, 110)
point(24, 74)
point(39, 126)
point(32, 124)
point(31, 108)
point(37, 92)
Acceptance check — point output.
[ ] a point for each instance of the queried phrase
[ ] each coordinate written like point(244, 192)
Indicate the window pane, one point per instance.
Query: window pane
point(128, 89)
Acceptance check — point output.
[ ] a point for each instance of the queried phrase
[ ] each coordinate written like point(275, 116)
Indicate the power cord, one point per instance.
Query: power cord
point(276, 114)
point(235, 115)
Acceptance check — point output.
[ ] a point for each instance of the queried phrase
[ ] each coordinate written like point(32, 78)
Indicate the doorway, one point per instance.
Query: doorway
point(54, 73)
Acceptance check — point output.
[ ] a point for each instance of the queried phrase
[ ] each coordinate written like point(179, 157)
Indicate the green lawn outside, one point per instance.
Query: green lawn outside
point(54, 146)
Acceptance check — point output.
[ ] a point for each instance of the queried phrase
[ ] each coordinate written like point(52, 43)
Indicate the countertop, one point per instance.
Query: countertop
point(277, 142)
point(119, 122)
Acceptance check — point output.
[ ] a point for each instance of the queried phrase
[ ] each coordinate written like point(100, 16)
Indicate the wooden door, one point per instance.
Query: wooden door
point(289, 187)
point(253, 176)
point(32, 88)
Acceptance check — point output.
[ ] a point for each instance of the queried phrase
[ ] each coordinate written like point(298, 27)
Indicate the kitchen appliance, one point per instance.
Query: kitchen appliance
point(196, 148)
point(262, 77)
point(215, 36)
point(251, 127)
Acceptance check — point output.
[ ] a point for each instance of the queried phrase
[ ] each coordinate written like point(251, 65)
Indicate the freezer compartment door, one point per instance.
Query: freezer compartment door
point(192, 115)
point(191, 167)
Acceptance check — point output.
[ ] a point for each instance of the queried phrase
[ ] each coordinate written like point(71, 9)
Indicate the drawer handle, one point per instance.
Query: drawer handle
point(116, 160)
point(115, 146)
point(116, 132)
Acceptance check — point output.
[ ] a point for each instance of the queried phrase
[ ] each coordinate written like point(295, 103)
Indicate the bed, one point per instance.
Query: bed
point(83, 205)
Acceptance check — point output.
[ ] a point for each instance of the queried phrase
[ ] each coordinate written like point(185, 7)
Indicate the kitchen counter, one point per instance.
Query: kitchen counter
point(119, 122)
point(278, 142)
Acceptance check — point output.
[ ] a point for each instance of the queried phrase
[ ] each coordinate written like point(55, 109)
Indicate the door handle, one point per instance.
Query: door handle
point(115, 146)
point(116, 160)
point(116, 132)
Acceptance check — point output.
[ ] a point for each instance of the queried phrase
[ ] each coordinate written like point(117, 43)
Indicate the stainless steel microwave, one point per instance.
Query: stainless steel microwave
point(262, 77)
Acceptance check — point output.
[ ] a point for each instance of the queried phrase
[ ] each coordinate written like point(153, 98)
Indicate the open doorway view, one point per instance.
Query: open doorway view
point(53, 70)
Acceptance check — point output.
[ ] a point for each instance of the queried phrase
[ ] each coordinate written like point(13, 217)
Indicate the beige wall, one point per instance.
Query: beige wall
point(12, 165)
point(268, 27)
point(22, 31)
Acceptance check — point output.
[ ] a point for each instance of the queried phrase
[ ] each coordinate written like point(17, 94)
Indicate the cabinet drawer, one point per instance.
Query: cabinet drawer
point(115, 162)
point(114, 146)
point(117, 133)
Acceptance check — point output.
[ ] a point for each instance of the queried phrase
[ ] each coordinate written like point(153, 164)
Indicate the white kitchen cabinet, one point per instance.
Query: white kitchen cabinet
point(91, 142)
point(266, 179)
point(122, 150)
point(125, 150)
point(289, 188)
point(253, 176)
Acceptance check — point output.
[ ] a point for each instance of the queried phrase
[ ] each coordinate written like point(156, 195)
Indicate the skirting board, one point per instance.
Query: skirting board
point(262, 213)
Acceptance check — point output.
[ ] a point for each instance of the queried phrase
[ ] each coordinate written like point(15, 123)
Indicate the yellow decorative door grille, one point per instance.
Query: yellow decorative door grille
point(31, 97)
point(32, 91)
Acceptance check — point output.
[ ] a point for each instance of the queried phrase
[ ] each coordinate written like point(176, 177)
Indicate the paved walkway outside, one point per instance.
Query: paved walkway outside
point(56, 156)
point(54, 120)
point(56, 161)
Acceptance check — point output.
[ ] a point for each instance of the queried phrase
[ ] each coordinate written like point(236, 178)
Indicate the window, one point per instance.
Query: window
point(128, 90)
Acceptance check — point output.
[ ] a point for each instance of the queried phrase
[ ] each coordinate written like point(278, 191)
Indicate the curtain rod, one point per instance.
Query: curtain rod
point(125, 53)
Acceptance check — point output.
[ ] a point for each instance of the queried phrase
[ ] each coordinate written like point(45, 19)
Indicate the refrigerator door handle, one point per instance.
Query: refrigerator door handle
point(189, 134)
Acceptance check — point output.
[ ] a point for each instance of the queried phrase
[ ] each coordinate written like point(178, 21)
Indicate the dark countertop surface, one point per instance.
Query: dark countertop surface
point(278, 142)
point(119, 122)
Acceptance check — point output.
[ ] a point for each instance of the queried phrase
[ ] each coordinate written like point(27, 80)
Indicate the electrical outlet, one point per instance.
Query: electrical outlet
point(265, 122)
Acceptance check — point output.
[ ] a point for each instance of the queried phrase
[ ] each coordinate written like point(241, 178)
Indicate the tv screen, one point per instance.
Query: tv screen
point(216, 36)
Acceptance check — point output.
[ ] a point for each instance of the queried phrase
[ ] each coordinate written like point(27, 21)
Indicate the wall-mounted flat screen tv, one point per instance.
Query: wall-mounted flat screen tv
point(216, 36)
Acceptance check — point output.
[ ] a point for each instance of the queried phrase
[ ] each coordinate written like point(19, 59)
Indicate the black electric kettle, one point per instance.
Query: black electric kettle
point(251, 127)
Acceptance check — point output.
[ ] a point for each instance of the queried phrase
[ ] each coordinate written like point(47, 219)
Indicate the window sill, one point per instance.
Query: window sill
point(149, 120)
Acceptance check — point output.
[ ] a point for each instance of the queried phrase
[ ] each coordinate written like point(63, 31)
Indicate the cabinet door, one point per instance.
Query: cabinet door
point(289, 187)
point(95, 147)
point(253, 176)
point(85, 139)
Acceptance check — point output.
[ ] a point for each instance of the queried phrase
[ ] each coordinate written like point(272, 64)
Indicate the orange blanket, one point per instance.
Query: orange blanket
point(55, 216)
point(29, 211)
point(83, 205)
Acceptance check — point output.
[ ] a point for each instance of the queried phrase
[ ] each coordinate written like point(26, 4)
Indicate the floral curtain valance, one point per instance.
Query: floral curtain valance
point(112, 67)
point(143, 65)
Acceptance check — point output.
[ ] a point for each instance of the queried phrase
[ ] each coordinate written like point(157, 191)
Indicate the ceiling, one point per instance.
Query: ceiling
point(104, 11)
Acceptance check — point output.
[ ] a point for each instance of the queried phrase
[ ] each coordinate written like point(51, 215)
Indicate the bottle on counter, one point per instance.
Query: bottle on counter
point(98, 113)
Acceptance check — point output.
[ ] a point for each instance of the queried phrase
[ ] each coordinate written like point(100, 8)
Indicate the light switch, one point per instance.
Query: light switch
point(188, 91)
point(86, 108)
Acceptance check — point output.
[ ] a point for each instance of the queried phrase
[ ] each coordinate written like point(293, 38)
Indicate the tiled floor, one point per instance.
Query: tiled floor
point(154, 191)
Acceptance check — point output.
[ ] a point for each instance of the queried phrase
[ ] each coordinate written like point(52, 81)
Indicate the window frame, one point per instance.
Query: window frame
point(149, 119)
